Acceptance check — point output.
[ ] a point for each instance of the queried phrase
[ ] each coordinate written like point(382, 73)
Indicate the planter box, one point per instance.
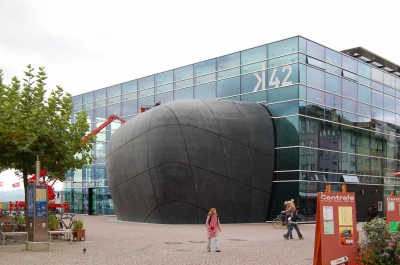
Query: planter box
point(79, 235)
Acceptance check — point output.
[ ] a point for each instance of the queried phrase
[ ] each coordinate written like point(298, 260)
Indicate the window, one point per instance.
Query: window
point(283, 47)
point(311, 126)
point(254, 55)
point(228, 61)
point(315, 50)
point(302, 149)
point(302, 126)
point(205, 67)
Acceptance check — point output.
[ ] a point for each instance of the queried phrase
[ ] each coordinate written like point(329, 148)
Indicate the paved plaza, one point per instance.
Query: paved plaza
point(110, 241)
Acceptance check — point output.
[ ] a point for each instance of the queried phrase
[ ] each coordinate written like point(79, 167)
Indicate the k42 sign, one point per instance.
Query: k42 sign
point(276, 77)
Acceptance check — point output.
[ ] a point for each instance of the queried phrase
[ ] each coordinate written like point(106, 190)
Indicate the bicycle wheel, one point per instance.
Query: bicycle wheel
point(277, 223)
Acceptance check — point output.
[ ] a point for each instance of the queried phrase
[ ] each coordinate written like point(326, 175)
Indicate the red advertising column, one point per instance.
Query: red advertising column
point(393, 213)
point(336, 233)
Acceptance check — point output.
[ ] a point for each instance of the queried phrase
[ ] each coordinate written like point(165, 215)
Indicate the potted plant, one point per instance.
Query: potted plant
point(79, 233)
point(54, 224)
point(21, 222)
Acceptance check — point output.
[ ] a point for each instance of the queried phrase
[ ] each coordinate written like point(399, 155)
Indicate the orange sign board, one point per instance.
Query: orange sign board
point(336, 227)
point(393, 212)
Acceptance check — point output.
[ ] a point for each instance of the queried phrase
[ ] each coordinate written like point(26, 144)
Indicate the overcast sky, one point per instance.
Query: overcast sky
point(88, 45)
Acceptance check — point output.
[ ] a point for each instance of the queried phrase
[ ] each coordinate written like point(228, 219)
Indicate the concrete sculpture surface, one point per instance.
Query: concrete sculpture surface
point(171, 164)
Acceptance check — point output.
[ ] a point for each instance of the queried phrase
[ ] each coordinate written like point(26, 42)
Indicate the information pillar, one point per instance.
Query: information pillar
point(37, 221)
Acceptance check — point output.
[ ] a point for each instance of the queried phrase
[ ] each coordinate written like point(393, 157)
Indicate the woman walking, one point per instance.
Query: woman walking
point(213, 226)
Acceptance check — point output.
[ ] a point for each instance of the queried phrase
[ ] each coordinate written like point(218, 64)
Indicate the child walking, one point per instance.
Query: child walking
point(213, 226)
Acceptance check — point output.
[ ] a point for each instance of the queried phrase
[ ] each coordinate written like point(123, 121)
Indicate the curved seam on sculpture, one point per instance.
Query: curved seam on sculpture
point(148, 162)
point(187, 153)
point(223, 148)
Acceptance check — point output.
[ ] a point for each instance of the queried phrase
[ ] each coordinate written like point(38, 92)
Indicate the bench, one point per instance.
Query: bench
point(4, 234)
point(64, 232)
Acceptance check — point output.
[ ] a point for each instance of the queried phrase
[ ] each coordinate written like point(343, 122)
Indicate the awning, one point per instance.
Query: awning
point(348, 178)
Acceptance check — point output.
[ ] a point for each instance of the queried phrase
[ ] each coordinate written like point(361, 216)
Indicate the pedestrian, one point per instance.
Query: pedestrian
point(213, 226)
point(288, 212)
point(293, 224)
point(372, 213)
point(157, 104)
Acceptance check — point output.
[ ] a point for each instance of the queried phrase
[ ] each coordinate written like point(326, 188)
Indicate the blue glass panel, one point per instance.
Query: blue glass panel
point(129, 86)
point(349, 89)
point(390, 117)
point(77, 108)
point(350, 75)
point(315, 95)
point(389, 90)
point(164, 88)
point(283, 47)
point(228, 61)
point(100, 114)
point(283, 76)
point(228, 73)
point(146, 92)
point(114, 109)
point(77, 100)
point(364, 94)
point(164, 78)
point(282, 94)
point(253, 67)
point(183, 73)
point(100, 94)
point(204, 78)
point(249, 83)
point(333, 83)
point(99, 103)
point(315, 62)
point(302, 45)
point(302, 58)
point(303, 74)
point(315, 50)
point(349, 118)
point(333, 69)
point(254, 55)
point(113, 100)
point(389, 80)
point(302, 92)
point(88, 106)
point(303, 107)
point(206, 91)
point(146, 82)
point(364, 109)
point(129, 96)
point(333, 101)
point(315, 110)
point(349, 64)
point(333, 57)
point(113, 91)
point(255, 97)
point(364, 81)
point(364, 70)
point(284, 109)
point(389, 102)
point(234, 98)
point(377, 75)
point(377, 98)
point(377, 114)
point(205, 67)
point(315, 78)
point(145, 101)
point(283, 60)
point(186, 93)
point(129, 108)
point(88, 97)
point(398, 106)
point(349, 105)
point(228, 87)
point(182, 84)
point(377, 86)
point(164, 98)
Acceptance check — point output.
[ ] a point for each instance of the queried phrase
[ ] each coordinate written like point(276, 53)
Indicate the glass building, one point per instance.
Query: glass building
point(340, 112)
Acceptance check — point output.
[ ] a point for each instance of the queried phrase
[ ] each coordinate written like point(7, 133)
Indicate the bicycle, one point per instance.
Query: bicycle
point(278, 221)
point(66, 220)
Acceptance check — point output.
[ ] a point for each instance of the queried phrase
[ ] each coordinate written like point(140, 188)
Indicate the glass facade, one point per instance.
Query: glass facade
point(334, 115)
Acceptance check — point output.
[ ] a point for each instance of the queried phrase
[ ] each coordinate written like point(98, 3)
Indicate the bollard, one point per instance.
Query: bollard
point(344, 188)
point(328, 188)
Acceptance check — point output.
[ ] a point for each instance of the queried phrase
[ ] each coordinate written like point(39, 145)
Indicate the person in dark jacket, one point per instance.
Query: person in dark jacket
point(293, 219)
point(372, 212)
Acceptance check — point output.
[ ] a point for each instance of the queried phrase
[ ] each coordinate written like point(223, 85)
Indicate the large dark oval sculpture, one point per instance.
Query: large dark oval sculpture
point(171, 164)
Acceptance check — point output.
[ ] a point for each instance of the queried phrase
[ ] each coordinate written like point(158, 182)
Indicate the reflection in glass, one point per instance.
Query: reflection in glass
point(146, 82)
point(129, 96)
point(350, 75)
point(228, 61)
point(315, 78)
point(164, 78)
point(205, 67)
point(333, 84)
point(228, 87)
point(254, 55)
point(316, 50)
point(113, 91)
point(364, 81)
point(349, 63)
point(390, 117)
point(377, 86)
point(114, 109)
point(283, 47)
point(88, 97)
point(315, 95)
point(377, 98)
point(99, 103)
point(283, 94)
point(333, 101)
point(349, 89)
point(389, 90)
point(228, 73)
point(283, 60)
point(164, 88)
point(183, 73)
point(389, 80)
point(129, 108)
point(146, 92)
point(204, 78)
point(186, 93)
point(100, 114)
point(364, 109)
point(364, 69)
point(253, 67)
point(377, 114)
point(77, 100)
point(333, 69)
point(100, 94)
point(377, 75)
point(164, 98)
point(206, 91)
point(183, 84)
point(364, 94)
point(349, 105)
point(333, 57)
point(316, 63)
point(114, 100)
point(284, 109)
point(389, 102)
point(129, 86)
point(255, 97)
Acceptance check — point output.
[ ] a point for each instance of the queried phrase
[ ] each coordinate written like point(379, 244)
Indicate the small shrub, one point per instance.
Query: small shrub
point(77, 225)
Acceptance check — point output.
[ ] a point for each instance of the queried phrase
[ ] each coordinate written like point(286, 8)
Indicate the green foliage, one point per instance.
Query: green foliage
point(380, 246)
point(20, 219)
point(31, 122)
point(77, 225)
point(53, 222)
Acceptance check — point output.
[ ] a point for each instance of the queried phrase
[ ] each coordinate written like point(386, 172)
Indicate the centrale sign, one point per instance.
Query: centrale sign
point(390, 199)
point(337, 198)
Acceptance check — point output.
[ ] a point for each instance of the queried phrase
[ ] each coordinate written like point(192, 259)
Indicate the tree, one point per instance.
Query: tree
point(31, 122)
